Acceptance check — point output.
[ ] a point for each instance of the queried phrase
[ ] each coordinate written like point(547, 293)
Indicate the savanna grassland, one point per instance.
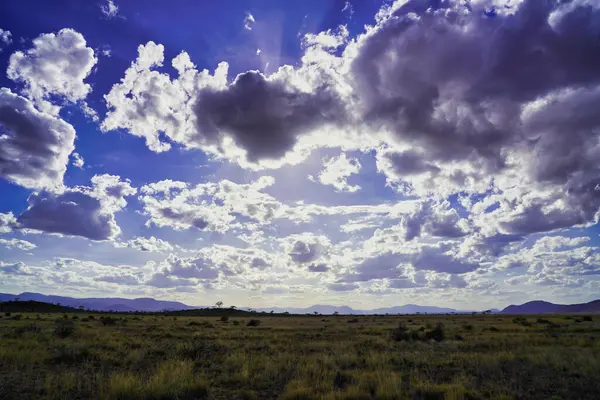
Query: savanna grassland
point(111, 356)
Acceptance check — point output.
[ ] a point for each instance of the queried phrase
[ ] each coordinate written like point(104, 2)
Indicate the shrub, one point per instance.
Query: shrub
point(236, 323)
point(353, 321)
point(204, 324)
point(224, 318)
point(587, 318)
point(64, 328)
point(65, 316)
point(436, 333)
point(91, 317)
point(494, 329)
point(521, 320)
point(75, 317)
point(253, 322)
point(109, 321)
point(342, 380)
point(402, 333)
point(467, 327)
point(542, 321)
point(31, 328)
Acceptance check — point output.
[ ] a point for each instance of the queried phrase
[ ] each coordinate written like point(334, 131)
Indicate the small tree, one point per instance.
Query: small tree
point(219, 304)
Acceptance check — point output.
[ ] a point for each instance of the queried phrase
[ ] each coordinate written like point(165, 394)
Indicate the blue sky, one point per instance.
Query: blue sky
point(262, 153)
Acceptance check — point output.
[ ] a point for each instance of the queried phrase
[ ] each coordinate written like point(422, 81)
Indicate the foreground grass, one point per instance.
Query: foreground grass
point(51, 356)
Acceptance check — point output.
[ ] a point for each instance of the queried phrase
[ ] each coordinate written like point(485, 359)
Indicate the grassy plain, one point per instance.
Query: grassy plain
point(80, 356)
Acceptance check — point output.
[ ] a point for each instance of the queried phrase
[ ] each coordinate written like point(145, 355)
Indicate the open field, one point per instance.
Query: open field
point(81, 356)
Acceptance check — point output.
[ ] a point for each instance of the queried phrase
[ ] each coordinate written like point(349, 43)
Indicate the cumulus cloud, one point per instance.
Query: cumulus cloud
point(17, 244)
point(249, 21)
point(18, 268)
point(252, 120)
point(5, 38)
point(57, 64)
point(109, 9)
point(7, 222)
point(80, 211)
point(150, 244)
point(336, 172)
point(208, 206)
point(330, 39)
point(147, 103)
point(77, 160)
point(554, 257)
point(34, 145)
point(438, 83)
point(306, 248)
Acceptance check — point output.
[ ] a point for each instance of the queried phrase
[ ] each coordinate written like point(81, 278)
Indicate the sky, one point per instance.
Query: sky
point(288, 153)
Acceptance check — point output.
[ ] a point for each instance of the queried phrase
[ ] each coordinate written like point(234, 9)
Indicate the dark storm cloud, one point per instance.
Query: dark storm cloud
point(264, 116)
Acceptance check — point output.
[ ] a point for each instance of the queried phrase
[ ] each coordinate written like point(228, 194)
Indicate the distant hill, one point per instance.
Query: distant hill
point(345, 310)
point(101, 304)
point(152, 305)
point(544, 307)
point(34, 307)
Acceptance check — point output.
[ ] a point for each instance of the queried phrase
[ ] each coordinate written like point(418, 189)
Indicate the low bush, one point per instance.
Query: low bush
point(402, 333)
point(108, 321)
point(438, 334)
point(253, 322)
point(64, 328)
point(224, 318)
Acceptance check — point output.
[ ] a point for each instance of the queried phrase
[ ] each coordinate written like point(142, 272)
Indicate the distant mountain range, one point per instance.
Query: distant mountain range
point(345, 310)
point(102, 304)
point(149, 304)
point(544, 307)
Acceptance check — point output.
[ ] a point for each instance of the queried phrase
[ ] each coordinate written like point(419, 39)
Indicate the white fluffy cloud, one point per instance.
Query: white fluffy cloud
point(7, 222)
point(109, 9)
point(209, 206)
point(57, 64)
point(147, 103)
point(77, 160)
point(249, 21)
point(150, 244)
point(336, 172)
point(5, 38)
point(17, 244)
